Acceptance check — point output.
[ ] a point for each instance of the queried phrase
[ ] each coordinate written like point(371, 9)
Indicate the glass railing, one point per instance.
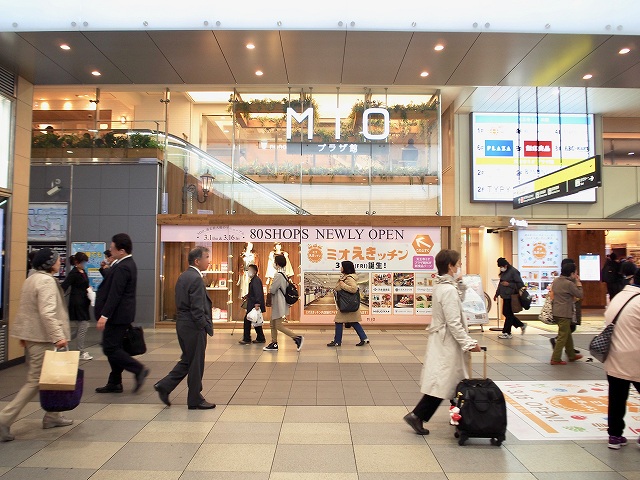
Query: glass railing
point(235, 191)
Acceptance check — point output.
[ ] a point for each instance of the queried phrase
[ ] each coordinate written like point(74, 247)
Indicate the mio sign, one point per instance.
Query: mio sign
point(308, 115)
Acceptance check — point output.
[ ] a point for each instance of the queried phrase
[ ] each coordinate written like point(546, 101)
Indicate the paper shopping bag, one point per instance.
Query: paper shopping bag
point(59, 370)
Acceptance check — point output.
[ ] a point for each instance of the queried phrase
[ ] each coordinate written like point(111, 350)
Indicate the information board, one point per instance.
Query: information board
point(503, 159)
point(47, 222)
point(589, 267)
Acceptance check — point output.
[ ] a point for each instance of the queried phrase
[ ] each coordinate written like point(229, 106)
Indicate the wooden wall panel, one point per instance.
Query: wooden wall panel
point(589, 241)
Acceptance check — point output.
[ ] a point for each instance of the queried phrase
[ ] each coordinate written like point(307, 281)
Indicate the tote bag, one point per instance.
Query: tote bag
point(601, 343)
point(59, 370)
point(63, 400)
point(347, 302)
point(546, 314)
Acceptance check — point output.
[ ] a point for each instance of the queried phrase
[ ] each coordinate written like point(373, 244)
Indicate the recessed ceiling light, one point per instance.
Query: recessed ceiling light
point(226, 131)
point(96, 73)
point(632, 224)
point(250, 46)
point(259, 73)
point(631, 153)
point(424, 74)
point(438, 47)
point(624, 51)
point(587, 76)
point(64, 46)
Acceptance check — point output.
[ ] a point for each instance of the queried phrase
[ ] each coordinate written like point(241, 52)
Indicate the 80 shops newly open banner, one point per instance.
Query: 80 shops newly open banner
point(395, 266)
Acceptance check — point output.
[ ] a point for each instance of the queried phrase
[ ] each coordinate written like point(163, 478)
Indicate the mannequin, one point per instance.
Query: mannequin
point(247, 257)
point(271, 271)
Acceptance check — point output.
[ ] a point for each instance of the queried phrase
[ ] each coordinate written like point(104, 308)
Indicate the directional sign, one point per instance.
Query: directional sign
point(561, 183)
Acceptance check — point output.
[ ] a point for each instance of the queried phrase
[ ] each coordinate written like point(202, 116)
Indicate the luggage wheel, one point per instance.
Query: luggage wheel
point(496, 442)
point(462, 440)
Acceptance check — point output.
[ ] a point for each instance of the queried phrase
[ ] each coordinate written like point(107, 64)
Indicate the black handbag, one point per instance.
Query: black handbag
point(525, 299)
point(347, 302)
point(133, 341)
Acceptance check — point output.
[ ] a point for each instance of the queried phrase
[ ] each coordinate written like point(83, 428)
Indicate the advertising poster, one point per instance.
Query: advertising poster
point(539, 257)
point(396, 270)
point(47, 222)
point(61, 248)
point(547, 142)
point(95, 252)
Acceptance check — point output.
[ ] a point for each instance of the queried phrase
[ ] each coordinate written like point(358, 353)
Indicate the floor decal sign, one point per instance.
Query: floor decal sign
point(559, 410)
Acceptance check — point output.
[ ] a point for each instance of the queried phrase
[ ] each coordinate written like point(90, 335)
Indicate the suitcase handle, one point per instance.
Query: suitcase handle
point(484, 350)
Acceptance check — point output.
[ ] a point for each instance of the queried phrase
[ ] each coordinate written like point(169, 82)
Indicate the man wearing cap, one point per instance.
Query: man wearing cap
point(116, 310)
point(42, 322)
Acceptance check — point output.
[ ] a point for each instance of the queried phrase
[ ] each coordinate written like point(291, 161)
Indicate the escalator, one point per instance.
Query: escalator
point(228, 183)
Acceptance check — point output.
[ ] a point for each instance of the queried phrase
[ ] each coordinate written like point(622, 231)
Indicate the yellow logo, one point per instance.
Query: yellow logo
point(539, 250)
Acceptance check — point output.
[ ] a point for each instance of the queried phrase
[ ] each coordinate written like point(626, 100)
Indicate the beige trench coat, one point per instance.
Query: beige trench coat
point(623, 360)
point(448, 343)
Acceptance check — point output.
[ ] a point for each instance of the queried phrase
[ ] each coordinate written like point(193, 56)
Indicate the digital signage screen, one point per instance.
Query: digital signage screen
point(502, 158)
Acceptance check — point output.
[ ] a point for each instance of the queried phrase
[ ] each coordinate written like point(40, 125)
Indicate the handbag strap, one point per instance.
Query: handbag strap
point(620, 311)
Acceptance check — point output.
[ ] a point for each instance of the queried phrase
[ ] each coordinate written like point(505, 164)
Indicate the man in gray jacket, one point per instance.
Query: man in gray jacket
point(193, 324)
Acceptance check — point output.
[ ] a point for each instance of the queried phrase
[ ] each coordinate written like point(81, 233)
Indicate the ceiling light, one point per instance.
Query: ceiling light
point(250, 46)
point(631, 153)
point(438, 47)
point(624, 51)
point(64, 46)
point(424, 74)
point(632, 224)
point(259, 73)
point(588, 76)
point(226, 131)
point(96, 73)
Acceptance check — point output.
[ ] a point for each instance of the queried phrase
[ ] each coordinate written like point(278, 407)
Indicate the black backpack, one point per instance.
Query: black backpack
point(291, 295)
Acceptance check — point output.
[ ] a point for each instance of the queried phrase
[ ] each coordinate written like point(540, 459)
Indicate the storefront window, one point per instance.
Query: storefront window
point(366, 153)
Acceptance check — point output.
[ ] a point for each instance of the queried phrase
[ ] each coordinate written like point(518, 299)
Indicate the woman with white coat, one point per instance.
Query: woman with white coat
point(623, 362)
point(448, 343)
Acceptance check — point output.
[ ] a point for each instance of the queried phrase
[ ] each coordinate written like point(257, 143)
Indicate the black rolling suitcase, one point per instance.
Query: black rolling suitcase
point(483, 409)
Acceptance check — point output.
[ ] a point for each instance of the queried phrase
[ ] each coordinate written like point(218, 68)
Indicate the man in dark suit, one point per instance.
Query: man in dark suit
point(255, 300)
point(115, 310)
point(193, 324)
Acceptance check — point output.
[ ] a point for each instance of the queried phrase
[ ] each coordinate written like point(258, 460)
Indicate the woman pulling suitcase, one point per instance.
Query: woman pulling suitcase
point(448, 343)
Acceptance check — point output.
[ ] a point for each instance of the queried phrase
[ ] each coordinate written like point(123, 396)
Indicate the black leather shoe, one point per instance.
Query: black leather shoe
point(204, 405)
point(110, 388)
point(163, 394)
point(414, 422)
point(259, 341)
point(140, 378)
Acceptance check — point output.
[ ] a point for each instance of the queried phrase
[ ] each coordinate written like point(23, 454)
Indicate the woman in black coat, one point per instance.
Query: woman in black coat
point(254, 299)
point(78, 283)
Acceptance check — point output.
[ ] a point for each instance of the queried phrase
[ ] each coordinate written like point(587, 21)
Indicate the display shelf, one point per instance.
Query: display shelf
point(218, 289)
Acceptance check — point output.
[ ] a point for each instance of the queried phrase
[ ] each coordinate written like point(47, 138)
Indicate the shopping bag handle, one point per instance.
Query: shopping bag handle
point(63, 349)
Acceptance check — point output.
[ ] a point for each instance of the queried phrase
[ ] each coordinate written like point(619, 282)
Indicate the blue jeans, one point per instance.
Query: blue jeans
point(356, 326)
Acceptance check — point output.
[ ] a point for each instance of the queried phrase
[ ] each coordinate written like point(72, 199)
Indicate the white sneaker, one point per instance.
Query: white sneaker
point(523, 328)
point(50, 421)
point(85, 356)
point(505, 335)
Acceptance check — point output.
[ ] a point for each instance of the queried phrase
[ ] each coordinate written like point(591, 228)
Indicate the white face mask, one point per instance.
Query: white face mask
point(503, 269)
point(251, 274)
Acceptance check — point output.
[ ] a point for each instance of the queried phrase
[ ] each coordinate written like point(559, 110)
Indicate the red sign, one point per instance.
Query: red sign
point(535, 149)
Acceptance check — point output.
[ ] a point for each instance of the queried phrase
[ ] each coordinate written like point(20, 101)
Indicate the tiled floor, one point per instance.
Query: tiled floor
point(319, 414)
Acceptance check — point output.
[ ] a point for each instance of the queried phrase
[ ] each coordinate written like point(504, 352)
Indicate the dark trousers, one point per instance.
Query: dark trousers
point(426, 407)
point(118, 359)
point(355, 325)
point(618, 395)
point(193, 343)
point(247, 331)
point(510, 319)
